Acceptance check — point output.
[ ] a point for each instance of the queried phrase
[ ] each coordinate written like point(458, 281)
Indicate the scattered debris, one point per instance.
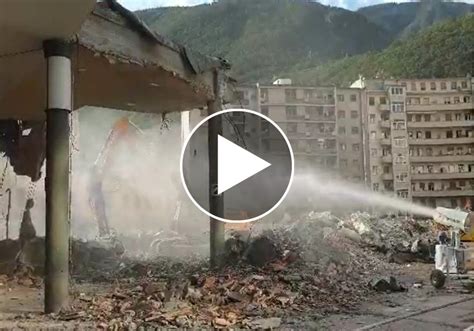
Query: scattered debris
point(386, 284)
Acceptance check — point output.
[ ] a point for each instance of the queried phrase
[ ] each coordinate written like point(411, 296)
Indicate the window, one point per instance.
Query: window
point(467, 99)
point(448, 117)
point(400, 142)
point(264, 110)
point(375, 186)
point(386, 169)
point(454, 85)
point(463, 84)
point(264, 94)
point(341, 114)
point(383, 100)
point(398, 125)
point(409, 118)
point(354, 114)
point(413, 86)
point(355, 147)
point(375, 170)
point(343, 163)
point(373, 152)
point(373, 134)
point(340, 97)
point(430, 186)
point(456, 100)
point(433, 86)
point(341, 130)
point(423, 86)
point(290, 111)
point(447, 100)
point(426, 101)
point(418, 118)
point(429, 151)
point(353, 97)
point(402, 194)
point(428, 135)
point(290, 94)
point(355, 162)
point(342, 146)
point(398, 107)
point(397, 90)
point(402, 177)
point(427, 118)
point(372, 118)
point(443, 85)
point(355, 130)
point(371, 101)
point(449, 134)
point(386, 152)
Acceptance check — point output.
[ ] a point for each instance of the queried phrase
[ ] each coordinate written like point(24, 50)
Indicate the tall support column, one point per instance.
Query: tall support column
point(216, 201)
point(59, 105)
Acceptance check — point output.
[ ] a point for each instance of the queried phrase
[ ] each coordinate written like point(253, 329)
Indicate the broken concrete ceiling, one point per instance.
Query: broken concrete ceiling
point(117, 62)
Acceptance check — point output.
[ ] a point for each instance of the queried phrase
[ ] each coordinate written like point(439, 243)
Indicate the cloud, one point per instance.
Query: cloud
point(144, 4)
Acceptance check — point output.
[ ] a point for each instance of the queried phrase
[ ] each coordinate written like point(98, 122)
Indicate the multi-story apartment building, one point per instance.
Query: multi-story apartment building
point(411, 138)
point(420, 139)
point(323, 124)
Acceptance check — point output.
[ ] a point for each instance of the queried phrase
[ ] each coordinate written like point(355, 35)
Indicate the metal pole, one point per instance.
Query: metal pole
point(7, 220)
point(216, 201)
point(59, 105)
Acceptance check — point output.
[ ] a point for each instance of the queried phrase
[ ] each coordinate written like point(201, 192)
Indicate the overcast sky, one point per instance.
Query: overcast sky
point(349, 4)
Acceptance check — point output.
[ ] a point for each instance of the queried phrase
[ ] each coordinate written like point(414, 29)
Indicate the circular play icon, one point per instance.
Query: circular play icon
point(251, 166)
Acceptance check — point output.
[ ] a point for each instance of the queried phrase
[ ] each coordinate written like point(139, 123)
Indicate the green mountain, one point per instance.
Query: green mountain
point(402, 19)
point(444, 50)
point(262, 37)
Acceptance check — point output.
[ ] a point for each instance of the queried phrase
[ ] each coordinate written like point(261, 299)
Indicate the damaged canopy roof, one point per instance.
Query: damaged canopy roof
point(118, 62)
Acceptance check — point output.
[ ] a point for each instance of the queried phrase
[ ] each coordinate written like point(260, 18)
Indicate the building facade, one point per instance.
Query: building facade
point(410, 137)
point(420, 139)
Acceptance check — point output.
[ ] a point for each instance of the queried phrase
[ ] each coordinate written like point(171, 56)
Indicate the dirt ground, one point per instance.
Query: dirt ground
point(21, 308)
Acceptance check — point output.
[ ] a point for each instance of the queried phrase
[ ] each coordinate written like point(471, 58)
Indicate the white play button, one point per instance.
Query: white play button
point(235, 164)
point(254, 166)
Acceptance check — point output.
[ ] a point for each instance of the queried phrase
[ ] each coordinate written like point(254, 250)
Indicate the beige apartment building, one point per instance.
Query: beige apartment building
point(323, 125)
point(420, 139)
point(410, 138)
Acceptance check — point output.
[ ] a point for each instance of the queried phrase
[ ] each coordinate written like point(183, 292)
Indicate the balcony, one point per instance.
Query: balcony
point(445, 175)
point(311, 135)
point(441, 124)
point(387, 159)
point(444, 193)
point(385, 107)
point(385, 124)
point(437, 107)
point(316, 152)
point(442, 141)
point(442, 158)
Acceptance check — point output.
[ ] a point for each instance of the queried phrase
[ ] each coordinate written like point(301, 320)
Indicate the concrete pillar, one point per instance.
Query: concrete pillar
point(216, 201)
point(59, 106)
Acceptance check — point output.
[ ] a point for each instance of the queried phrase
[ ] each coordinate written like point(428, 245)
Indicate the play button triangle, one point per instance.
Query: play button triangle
point(235, 164)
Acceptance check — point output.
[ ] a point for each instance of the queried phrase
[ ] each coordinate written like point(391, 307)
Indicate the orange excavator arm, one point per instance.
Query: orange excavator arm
point(119, 132)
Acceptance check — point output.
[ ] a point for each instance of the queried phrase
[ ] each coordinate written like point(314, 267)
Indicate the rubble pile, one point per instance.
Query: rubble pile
point(320, 264)
point(402, 239)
